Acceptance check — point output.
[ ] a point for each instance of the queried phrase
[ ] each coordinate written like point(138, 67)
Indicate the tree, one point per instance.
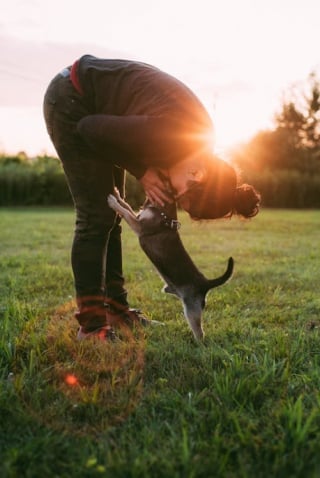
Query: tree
point(300, 116)
point(294, 143)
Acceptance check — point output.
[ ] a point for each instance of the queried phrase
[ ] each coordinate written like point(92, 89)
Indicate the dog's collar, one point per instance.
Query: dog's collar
point(170, 223)
point(166, 221)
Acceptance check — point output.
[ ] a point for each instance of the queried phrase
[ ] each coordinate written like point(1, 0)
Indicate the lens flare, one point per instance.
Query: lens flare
point(71, 380)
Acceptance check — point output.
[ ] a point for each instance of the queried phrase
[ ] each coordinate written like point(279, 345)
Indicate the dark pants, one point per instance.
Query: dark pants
point(96, 251)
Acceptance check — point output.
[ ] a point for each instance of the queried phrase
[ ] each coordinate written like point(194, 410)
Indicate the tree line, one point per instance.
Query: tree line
point(283, 163)
point(41, 181)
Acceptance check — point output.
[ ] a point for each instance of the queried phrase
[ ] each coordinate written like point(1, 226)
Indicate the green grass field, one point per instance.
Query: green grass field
point(246, 403)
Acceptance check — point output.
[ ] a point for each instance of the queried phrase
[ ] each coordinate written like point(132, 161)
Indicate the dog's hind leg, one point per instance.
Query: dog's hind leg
point(194, 321)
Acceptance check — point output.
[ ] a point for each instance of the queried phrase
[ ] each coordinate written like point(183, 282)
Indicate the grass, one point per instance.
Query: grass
point(246, 403)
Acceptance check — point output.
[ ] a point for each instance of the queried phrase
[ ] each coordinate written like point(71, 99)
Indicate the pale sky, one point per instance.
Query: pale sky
point(238, 56)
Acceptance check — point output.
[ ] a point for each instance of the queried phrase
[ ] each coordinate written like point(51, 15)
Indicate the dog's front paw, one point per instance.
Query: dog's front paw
point(112, 201)
point(116, 193)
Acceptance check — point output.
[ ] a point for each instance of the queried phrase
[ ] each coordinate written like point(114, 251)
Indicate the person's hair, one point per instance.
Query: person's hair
point(246, 201)
point(220, 196)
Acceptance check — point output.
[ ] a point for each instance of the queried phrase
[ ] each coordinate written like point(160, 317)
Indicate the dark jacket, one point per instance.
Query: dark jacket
point(150, 116)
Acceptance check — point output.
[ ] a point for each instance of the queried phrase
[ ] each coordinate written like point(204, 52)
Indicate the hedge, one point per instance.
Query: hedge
point(41, 181)
point(287, 188)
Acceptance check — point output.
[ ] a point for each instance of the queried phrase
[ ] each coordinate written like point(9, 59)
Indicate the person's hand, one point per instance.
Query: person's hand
point(155, 188)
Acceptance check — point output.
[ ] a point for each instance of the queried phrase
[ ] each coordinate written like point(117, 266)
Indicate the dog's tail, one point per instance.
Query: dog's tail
point(212, 283)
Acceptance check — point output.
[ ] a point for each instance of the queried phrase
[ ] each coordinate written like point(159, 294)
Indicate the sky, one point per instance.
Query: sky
point(238, 56)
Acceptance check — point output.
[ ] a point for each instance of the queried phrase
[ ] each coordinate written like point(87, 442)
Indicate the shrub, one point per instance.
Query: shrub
point(287, 188)
point(41, 181)
point(32, 182)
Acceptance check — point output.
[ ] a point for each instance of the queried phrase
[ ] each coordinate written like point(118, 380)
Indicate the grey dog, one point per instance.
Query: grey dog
point(157, 230)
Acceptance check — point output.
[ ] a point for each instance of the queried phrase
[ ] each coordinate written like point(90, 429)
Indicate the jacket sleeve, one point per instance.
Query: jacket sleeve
point(146, 141)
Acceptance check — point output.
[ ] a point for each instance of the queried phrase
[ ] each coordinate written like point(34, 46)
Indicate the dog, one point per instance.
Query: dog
point(157, 230)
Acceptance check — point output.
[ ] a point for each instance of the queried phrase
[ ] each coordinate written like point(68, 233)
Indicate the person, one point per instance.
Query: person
point(108, 116)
